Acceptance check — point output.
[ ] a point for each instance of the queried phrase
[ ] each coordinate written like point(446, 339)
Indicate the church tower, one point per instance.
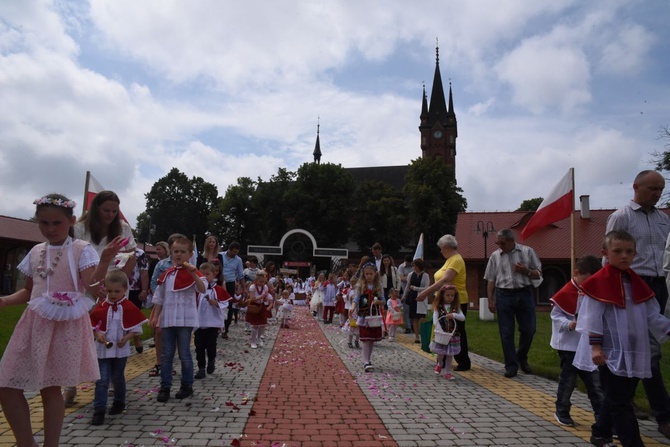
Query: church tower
point(317, 146)
point(438, 122)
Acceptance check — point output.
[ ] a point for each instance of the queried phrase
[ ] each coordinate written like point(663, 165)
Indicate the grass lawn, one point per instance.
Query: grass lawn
point(483, 339)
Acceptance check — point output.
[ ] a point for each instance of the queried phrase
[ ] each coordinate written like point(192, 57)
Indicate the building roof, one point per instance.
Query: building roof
point(20, 229)
point(550, 242)
point(392, 175)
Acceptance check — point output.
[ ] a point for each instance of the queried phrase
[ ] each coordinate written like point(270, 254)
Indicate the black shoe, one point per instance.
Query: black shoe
point(564, 419)
point(155, 371)
point(199, 375)
point(139, 349)
point(664, 429)
point(117, 408)
point(184, 392)
point(600, 441)
point(640, 414)
point(98, 418)
point(224, 336)
point(163, 395)
point(509, 373)
point(525, 367)
point(369, 368)
point(407, 331)
point(210, 368)
point(462, 368)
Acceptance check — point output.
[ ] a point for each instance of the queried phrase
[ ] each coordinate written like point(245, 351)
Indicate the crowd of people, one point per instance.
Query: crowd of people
point(89, 281)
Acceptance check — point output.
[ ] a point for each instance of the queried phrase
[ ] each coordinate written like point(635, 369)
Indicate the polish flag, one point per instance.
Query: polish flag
point(93, 187)
point(558, 205)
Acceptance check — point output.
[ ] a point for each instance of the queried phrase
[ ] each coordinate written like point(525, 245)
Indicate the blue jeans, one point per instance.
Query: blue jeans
point(516, 305)
point(113, 370)
point(566, 385)
point(179, 337)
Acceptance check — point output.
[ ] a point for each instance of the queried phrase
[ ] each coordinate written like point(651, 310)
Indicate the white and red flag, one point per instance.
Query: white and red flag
point(558, 205)
point(92, 188)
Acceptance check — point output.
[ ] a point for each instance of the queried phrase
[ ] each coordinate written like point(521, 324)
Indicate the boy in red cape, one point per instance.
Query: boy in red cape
point(615, 314)
point(565, 340)
point(176, 312)
point(115, 321)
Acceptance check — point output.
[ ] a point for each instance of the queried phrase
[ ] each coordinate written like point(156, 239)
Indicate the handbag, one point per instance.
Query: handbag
point(374, 319)
point(254, 309)
point(444, 338)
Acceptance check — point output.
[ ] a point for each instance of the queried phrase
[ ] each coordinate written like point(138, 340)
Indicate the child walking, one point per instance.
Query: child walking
point(446, 311)
point(52, 344)
point(329, 298)
point(367, 303)
point(394, 314)
point(351, 326)
point(616, 312)
point(176, 312)
point(258, 303)
point(115, 321)
point(565, 340)
point(212, 307)
point(285, 309)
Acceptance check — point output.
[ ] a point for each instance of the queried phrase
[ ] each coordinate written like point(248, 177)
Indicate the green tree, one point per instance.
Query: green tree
point(319, 200)
point(272, 212)
point(379, 213)
point(434, 201)
point(178, 205)
point(530, 204)
point(234, 217)
point(661, 160)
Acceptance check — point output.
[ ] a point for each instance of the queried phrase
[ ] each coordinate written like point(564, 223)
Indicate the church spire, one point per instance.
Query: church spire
point(317, 146)
point(437, 111)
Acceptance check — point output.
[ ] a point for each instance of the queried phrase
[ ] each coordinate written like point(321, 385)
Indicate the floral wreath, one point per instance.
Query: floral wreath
point(48, 200)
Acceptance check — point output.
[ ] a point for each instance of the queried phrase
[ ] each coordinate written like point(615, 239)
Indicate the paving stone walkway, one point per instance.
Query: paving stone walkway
point(306, 387)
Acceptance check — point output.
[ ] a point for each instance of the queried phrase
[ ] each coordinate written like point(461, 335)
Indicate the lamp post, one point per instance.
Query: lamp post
point(485, 229)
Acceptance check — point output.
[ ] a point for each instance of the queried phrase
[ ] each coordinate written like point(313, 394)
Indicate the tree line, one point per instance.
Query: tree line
point(323, 199)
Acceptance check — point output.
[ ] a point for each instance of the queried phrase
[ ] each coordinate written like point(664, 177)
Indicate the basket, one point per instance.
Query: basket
point(443, 338)
point(374, 319)
point(396, 315)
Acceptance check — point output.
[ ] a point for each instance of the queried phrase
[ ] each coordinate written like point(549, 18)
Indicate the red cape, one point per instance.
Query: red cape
point(221, 293)
point(182, 281)
point(606, 286)
point(566, 298)
point(131, 316)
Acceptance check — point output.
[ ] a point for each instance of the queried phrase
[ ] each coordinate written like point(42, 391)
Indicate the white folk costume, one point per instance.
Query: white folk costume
point(618, 307)
point(52, 344)
point(318, 292)
point(177, 294)
point(285, 307)
point(115, 320)
point(210, 316)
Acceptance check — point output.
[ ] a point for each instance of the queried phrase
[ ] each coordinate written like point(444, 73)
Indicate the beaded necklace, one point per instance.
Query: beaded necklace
point(46, 271)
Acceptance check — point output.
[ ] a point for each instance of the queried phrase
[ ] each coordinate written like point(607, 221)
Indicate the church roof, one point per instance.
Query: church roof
point(392, 175)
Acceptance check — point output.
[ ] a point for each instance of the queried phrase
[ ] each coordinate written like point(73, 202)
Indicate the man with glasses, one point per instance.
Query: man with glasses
point(509, 272)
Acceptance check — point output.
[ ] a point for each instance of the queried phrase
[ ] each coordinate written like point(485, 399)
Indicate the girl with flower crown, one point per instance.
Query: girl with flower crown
point(446, 311)
point(367, 304)
point(52, 344)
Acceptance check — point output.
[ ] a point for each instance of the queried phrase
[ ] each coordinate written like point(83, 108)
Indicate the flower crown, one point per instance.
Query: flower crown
point(48, 200)
point(369, 264)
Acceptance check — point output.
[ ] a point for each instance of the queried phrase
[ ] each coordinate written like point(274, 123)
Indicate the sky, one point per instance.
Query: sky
point(220, 89)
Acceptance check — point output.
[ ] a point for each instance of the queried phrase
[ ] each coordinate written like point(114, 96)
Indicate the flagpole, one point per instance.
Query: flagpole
point(85, 202)
point(572, 224)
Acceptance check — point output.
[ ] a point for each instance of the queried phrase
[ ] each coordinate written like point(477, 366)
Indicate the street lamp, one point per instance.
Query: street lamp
point(485, 229)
